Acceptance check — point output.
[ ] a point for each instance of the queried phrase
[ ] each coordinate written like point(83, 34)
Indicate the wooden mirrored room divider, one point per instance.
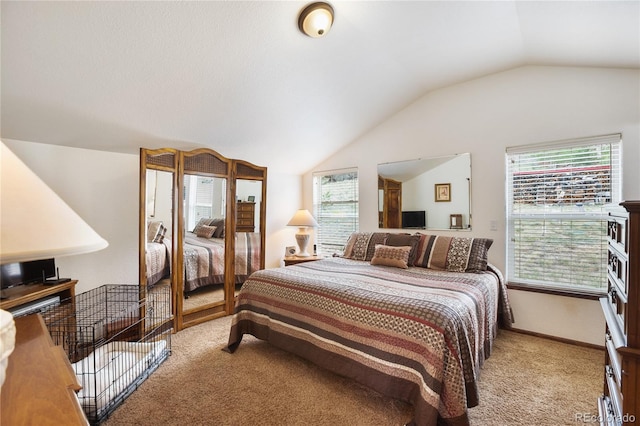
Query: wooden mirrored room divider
point(204, 215)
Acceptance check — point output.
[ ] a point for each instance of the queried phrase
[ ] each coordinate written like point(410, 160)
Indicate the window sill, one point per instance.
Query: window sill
point(556, 291)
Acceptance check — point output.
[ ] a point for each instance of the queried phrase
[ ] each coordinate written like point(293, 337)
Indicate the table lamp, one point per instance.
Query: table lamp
point(303, 220)
point(35, 223)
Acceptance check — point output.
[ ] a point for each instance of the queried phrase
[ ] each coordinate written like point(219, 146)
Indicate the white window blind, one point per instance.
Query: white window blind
point(335, 207)
point(556, 219)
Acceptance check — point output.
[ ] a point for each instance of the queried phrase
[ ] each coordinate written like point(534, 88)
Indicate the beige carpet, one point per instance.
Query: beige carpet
point(526, 381)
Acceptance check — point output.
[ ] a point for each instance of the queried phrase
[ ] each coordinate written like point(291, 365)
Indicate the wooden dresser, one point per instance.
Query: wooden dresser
point(620, 403)
point(245, 216)
point(40, 387)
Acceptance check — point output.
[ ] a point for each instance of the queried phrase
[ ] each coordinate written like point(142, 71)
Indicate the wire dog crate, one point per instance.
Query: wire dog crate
point(115, 336)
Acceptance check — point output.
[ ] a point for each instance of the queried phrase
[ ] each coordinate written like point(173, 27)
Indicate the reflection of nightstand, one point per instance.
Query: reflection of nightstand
point(288, 261)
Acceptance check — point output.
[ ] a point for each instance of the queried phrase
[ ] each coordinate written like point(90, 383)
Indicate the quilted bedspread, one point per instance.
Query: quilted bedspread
point(414, 334)
point(204, 259)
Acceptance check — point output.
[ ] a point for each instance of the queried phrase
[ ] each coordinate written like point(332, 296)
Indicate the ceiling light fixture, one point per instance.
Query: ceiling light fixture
point(316, 19)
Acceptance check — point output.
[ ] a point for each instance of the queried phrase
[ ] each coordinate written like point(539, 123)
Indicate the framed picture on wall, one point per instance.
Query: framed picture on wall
point(443, 192)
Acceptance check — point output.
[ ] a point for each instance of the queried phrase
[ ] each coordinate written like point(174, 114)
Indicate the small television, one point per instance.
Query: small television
point(414, 219)
point(14, 274)
point(10, 275)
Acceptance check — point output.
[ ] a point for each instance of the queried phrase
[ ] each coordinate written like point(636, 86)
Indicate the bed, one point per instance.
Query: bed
point(411, 316)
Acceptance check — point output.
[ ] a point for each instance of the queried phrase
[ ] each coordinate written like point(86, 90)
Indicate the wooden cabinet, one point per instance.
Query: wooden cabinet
point(40, 386)
point(245, 216)
point(620, 403)
point(23, 295)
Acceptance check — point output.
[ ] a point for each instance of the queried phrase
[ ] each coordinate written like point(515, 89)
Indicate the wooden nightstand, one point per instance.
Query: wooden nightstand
point(293, 260)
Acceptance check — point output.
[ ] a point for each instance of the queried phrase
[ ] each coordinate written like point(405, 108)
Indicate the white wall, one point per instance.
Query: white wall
point(484, 116)
point(102, 187)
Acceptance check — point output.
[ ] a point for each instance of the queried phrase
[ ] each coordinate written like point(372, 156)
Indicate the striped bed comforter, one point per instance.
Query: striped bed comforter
point(204, 259)
point(415, 334)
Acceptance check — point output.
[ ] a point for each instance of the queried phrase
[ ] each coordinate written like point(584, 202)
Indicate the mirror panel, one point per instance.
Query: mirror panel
point(203, 238)
point(205, 206)
point(248, 243)
point(429, 193)
point(158, 170)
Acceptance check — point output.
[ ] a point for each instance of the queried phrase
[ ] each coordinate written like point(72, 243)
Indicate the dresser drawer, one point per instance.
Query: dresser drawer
point(613, 391)
point(618, 302)
point(606, 416)
point(617, 270)
point(617, 231)
point(614, 358)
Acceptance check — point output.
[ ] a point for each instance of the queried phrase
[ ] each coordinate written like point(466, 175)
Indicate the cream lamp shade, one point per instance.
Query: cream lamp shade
point(316, 19)
point(35, 223)
point(303, 220)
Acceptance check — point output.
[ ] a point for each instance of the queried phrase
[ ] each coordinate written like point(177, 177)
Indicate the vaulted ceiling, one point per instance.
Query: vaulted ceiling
point(240, 78)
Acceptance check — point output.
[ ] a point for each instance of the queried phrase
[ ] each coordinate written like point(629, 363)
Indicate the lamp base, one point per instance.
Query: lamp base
point(303, 240)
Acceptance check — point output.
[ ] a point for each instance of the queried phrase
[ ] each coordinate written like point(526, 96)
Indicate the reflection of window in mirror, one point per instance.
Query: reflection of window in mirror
point(414, 183)
point(205, 197)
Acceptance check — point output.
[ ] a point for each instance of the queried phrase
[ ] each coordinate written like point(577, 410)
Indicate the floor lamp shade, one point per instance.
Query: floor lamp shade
point(303, 220)
point(35, 223)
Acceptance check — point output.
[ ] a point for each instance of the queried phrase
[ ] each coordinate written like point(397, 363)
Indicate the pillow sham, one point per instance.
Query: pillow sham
point(398, 240)
point(152, 230)
point(206, 231)
point(396, 256)
point(361, 245)
point(219, 224)
point(453, 254)
point(159, 237)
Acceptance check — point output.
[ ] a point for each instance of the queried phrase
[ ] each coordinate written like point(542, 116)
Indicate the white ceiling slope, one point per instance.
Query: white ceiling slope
point(240, 78)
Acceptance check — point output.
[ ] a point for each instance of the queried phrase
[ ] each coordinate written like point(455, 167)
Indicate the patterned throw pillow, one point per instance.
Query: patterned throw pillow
point(391, 256)
point(361, 245)
point(356, 247)
point(159, 237)
point(152, 230)
point(206, 231)
point(205, 221)
point(452, 253)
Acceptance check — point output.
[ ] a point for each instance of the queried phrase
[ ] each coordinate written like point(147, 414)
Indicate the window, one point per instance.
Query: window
point(556, 218)
point(335, 207)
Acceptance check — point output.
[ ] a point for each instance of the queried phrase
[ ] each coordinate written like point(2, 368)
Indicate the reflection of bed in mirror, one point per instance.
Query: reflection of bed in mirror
point(158, 263)
point(157, 253)
point(204, 259)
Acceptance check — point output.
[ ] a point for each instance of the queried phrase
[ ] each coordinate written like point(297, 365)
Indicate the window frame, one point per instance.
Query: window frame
point(352, 222)
point(599, 213)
